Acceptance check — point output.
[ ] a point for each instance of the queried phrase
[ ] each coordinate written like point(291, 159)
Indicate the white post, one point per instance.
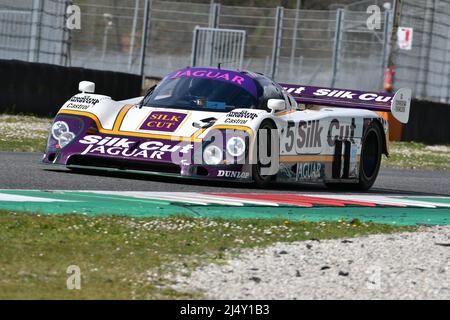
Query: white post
point(133, 35)
point(145, 26)
point(33, 54)
point(294, 36)
point(337, 44)
point(277, 42)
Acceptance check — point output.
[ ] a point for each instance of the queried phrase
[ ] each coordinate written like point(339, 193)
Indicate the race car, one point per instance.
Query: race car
point(212, 123)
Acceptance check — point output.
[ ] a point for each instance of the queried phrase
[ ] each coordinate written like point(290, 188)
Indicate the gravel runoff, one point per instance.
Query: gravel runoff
point(395, 266)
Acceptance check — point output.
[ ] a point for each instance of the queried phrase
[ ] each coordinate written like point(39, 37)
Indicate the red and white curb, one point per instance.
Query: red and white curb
point(238, 199)
point(275, 200)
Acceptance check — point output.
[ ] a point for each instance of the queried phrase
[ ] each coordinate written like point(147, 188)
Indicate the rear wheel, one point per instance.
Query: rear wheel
point(369, 165)
point(370, 161)
point(259, 179)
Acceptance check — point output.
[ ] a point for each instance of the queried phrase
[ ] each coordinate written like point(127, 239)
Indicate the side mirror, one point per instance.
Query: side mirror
point(86, 87)
point(276, 105)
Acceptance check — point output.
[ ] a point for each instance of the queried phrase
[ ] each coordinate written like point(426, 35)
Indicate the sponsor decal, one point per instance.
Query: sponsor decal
point(287, 171)
point(236, 78)
point(345, 94)
point(336, 131)
point(211, 74)
point(336, 93)
point(233, 174)
point(306, 138)
point(82, 102)
point(309, 171)
point(124, 147)
point(400, 105)
point(315, 136)
point(294, 90)
point(240, 117)
point(163, 121)
point(309, 134)
point(236, 121)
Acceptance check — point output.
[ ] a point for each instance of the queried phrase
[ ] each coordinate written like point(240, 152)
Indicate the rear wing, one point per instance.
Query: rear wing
point(398, 104)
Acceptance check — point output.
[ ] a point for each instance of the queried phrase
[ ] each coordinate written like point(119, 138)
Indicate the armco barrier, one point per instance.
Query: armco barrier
point(41, 89)
point(429, 122)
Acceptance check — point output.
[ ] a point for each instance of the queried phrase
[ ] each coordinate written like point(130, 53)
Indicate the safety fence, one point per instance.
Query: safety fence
point(317, 47)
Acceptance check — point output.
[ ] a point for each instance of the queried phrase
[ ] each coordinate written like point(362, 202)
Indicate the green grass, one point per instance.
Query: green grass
point(23, 133)
point(413, 155)
point(127, 258)
point(28, 133)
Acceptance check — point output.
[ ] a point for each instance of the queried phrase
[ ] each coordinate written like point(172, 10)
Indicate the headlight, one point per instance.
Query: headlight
point(65, 139)
point(212, 155)
point(59, 128)
point(61, 132)
point(236, 146)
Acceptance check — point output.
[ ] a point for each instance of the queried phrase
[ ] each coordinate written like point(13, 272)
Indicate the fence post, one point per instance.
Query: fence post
point(194, 47)
point(214, 15)
point(337, 44)
point(393, 51)
point(448, 68)
point(145, 25)
point(386, 43)
point(244, 42)
point(36, 20)
point(277, 42)
point(428, 26)
point(65, 35)
point(294, 36)
point(133, 35)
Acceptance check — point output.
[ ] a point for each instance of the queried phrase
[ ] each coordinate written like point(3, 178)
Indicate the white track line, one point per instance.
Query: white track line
point(438, 204)
point(18, 198)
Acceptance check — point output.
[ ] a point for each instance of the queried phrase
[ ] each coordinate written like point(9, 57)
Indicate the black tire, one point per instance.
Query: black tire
point(262, 181)
point(369, 165)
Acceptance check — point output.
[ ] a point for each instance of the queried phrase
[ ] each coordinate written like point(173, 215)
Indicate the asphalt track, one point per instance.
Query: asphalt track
point(25, 171)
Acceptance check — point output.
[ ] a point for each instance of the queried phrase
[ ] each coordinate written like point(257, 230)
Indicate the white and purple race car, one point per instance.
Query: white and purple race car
point(230, 125)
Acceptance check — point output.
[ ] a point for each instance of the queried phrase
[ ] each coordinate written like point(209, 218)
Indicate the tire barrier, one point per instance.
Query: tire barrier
point(428, 123)
point(41, 89)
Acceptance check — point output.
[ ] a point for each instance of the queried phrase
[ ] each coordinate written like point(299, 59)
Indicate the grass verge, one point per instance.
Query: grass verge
point(130, 258)
point(23, 133)
point(28, 133)
point(413, 155)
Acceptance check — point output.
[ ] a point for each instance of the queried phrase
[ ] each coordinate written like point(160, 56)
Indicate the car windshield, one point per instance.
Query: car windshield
point(200, 94)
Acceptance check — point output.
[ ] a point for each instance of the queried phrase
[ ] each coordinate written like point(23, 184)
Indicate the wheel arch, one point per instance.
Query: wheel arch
point(384, 142)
